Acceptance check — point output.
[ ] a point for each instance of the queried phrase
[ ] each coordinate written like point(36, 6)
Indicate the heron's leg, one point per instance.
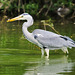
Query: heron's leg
point(42, 51)
point(65, 50)
point(47, 52)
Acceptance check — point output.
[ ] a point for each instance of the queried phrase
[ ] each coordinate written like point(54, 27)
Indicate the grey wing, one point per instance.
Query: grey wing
point(44, 33)
point(52, 40)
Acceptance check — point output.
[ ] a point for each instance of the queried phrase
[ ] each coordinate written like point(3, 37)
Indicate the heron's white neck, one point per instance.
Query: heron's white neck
point(25, 26)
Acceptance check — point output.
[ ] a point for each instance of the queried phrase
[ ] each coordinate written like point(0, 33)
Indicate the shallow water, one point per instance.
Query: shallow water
point(20, 57)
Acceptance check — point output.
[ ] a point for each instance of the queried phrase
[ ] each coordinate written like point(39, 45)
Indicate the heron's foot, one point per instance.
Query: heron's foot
point(47, 57)
point(47, 52)
point(65, 50)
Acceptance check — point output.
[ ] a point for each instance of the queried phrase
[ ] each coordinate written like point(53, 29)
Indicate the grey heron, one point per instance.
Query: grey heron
point(46, 40)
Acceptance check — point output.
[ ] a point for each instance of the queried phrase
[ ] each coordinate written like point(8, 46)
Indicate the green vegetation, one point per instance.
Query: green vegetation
point(34, 7)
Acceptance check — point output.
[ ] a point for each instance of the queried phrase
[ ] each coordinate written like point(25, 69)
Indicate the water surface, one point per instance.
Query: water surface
point(20, 57)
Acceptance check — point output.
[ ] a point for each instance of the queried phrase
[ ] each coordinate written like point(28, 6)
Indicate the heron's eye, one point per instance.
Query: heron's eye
point(21, 16)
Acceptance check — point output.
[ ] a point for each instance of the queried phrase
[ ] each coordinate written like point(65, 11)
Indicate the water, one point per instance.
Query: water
point(20, 57)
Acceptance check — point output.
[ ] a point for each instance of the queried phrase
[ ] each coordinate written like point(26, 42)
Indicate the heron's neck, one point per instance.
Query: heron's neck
point(26, 33)
point(25, 28)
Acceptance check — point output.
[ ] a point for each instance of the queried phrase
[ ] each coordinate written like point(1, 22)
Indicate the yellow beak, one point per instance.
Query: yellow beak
point(13, 19)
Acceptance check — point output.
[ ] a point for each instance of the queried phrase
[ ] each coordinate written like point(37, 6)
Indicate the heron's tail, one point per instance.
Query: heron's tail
point(72, 46)
point(70, 42)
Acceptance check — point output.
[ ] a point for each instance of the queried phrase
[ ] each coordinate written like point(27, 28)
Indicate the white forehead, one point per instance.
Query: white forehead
point(24, 14)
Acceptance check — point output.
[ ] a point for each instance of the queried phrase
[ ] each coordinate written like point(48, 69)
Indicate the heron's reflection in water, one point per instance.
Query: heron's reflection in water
point(53, 66)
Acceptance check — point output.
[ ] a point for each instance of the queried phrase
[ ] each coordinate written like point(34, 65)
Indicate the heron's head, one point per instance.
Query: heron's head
point(24, 16)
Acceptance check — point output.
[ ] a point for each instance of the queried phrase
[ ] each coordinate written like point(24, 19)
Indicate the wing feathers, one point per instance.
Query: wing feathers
point(52, 40)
